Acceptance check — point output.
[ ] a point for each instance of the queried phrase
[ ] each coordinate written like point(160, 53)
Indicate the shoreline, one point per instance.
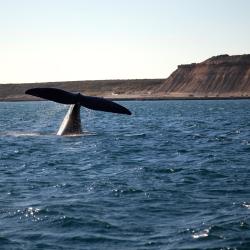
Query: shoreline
point(126, 90)
point(140, 98)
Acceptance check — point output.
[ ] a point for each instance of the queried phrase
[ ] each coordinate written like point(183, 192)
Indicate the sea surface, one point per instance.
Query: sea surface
point(174, 175)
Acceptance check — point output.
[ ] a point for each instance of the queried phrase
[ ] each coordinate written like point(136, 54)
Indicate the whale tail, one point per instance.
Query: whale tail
point(72, 121)
point(71, 124)
point(90, 102)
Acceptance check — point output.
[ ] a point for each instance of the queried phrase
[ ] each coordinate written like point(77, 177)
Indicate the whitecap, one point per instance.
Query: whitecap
point(202, 234)
point(247, 205)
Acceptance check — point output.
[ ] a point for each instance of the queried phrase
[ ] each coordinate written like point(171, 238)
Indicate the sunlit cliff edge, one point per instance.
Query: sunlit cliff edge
point(220, 76)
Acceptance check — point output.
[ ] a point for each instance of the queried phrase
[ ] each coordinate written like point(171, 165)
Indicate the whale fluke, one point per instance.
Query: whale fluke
point(53, 94)
point(101, 104)
point(90, 102)
point(71, 124)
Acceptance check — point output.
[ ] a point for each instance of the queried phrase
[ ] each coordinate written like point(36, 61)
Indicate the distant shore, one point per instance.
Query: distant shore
point(178, 86)
point(221, 77)
point(139, 98)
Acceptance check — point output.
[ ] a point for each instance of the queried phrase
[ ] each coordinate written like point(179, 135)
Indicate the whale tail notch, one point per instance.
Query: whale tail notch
point(90, 102)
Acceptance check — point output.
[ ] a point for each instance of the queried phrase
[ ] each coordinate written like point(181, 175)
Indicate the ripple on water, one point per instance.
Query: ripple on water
point(175, 175)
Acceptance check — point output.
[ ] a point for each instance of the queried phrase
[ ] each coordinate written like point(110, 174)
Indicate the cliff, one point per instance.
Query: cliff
point(218, 76)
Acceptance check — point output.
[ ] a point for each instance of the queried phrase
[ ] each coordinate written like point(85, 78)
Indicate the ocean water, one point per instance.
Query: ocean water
point(174, 175)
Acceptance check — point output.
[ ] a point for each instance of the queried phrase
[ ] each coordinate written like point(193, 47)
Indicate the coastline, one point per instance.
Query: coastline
point(141, 98)
point(221, 77)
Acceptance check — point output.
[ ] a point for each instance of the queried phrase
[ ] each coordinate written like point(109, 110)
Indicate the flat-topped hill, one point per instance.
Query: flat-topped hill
point(218, 76)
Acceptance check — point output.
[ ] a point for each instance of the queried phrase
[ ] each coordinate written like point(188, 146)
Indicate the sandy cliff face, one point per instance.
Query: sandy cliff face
point(219, 76)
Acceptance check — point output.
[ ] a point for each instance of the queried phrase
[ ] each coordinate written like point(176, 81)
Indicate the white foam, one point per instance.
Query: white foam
point(202, 234)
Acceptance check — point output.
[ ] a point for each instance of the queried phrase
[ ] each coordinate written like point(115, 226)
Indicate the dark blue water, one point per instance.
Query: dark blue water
point(175, 175)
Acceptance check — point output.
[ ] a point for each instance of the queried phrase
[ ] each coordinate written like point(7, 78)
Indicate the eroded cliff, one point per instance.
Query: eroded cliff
point(218, 76)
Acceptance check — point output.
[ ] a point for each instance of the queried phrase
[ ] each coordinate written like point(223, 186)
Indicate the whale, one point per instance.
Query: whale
point(71, 124)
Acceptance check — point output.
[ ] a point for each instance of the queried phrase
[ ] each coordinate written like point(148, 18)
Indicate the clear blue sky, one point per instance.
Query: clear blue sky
point(56, 40)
